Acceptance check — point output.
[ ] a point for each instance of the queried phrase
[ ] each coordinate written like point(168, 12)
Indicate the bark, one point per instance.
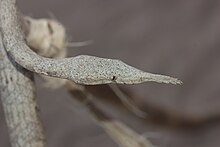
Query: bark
point(18, 98)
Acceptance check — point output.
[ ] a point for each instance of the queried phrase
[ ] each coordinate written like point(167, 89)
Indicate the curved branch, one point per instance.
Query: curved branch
point(18, 99)
point(81, 69)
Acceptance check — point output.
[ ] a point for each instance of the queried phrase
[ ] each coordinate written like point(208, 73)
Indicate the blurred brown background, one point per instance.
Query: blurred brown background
point(173, 37)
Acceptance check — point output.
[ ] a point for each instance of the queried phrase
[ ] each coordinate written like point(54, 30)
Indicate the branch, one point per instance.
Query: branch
point(81, 69)
point(17, 94)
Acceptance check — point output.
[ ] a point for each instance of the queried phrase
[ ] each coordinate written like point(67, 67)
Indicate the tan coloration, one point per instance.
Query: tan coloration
point(46, 37)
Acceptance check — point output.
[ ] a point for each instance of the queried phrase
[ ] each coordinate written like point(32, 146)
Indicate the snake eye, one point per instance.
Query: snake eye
point(113, 78)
